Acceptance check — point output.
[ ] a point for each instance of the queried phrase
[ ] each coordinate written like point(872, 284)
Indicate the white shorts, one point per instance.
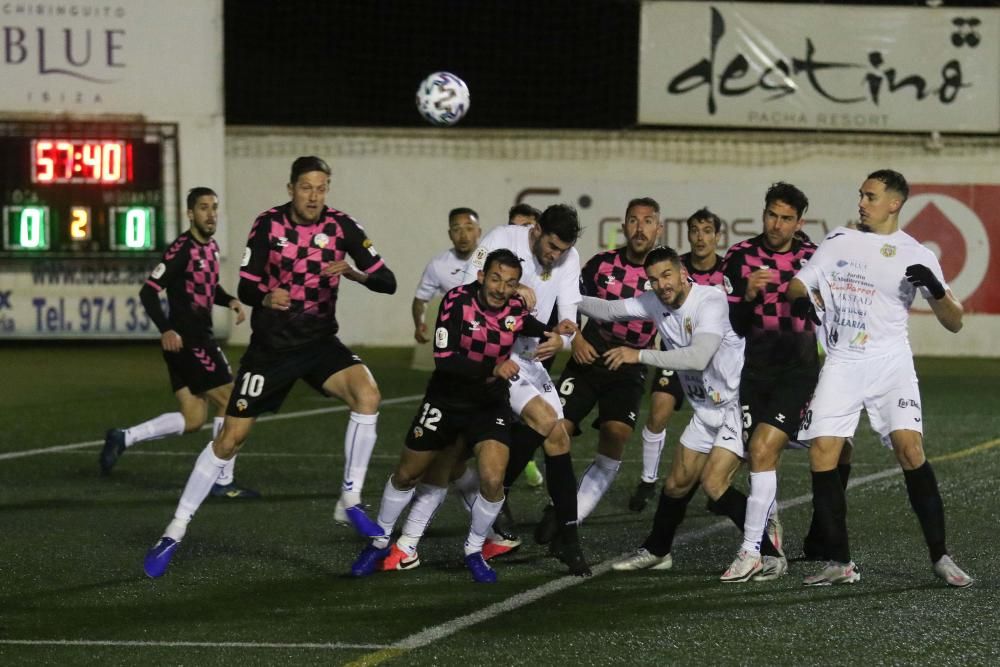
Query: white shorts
point(700, 437)
point(533, 380)
point(885, 387)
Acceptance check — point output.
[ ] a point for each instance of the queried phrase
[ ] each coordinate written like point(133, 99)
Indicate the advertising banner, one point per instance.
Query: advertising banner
point(821, 67)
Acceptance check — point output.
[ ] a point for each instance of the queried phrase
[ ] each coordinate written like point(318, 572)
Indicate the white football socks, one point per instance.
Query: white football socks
point(359, 442)
point(394, 501)
point(468, 487)
point(206, 471)
point(652, 448)
point(169, 423)
point(597, 478)
point(426, 502)
point(760, 504)
point(484, 513)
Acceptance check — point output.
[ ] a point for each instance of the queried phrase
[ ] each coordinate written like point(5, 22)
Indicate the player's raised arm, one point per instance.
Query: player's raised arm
point(612, 311)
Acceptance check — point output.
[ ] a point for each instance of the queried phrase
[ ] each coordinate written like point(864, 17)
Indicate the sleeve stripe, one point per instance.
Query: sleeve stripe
point(154, 285)
point(249, 276)
point(375, 267)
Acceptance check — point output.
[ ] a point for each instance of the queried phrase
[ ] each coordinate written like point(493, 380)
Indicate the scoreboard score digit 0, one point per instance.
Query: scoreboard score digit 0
point(87, 190)
point(87, 209)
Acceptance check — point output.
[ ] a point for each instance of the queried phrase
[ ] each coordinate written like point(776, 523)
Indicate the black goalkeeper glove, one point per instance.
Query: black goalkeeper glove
point(803, 308)
point(920, 276)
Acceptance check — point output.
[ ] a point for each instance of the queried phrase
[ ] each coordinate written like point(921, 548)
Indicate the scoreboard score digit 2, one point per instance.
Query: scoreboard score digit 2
point(87, 190)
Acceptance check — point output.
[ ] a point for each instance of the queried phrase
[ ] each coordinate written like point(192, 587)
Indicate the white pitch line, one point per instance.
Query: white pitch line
point(168, 644)
point(266, 418)
point(430, 635)
point(433, 634)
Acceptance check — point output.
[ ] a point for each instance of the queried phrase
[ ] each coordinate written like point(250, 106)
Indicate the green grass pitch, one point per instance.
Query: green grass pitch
point(265, 582)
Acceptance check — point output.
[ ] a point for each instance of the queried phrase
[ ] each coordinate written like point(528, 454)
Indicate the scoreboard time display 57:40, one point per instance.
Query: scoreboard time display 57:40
point(87, 208)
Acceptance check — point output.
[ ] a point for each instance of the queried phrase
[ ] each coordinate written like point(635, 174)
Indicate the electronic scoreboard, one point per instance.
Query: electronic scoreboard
point(87, 210)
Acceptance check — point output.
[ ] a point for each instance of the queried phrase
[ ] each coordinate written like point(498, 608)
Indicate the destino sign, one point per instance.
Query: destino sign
point(820, 67)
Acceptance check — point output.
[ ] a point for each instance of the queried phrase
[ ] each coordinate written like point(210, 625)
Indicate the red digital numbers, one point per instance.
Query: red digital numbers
point(74, 161)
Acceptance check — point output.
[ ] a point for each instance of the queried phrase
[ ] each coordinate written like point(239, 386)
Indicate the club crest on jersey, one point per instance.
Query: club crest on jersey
point(688, 327)
point(474, 325)
point(727, 285)
point(241, 404)
point(647, 286)
point(479, 257)
point(417, 432)
point(888, 250)
point(610, 281)
point(510, 322)
point(546, 276)
point(321, 240)
point(441, 337)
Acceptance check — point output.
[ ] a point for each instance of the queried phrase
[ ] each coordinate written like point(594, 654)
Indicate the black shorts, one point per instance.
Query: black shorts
point(266, 377)
point(617, 394)
point(439, 422)
point(667, 382)
point(199, 367)
point(778, 398)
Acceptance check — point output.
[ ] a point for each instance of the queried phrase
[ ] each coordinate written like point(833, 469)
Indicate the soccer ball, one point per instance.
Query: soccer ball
point(443, 98)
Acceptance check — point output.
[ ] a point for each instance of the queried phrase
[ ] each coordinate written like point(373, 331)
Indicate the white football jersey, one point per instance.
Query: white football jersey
point(558, 288)
point(705, 310)
point(861, 278)
point(444, 272)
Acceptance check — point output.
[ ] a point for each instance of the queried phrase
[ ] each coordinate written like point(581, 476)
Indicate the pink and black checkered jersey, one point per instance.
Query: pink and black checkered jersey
point(713, 276)
point(189, 271)
point(609, 275)
point(470, 338)
point(282, 254)
point(774, 337)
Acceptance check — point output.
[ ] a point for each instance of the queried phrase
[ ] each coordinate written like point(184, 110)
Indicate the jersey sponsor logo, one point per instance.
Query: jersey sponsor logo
point(888, 250)
point(441, 337)
point(474, 325)
point(908, 403)
point(321, 240)
point(246, 257)
point(160, 269)
point(479, 257)
point(510, 322)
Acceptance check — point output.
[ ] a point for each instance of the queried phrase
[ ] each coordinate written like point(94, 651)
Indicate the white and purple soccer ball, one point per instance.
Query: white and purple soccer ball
point(443, 98)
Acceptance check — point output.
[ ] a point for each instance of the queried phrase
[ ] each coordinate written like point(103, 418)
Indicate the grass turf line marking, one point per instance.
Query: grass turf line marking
point(266, 418)
point(145, 644)
point(383, 652)
point(430, 635)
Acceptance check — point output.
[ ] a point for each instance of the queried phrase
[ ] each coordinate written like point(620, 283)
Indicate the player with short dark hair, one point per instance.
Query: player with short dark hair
point(586, 381)
point(864, 281)
point(693, 322)
point(523, 214)
point(199, 371)
point(782, 364)
point(704, 267)
point(467, 400)
point(295, 258)
point(446, 270)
